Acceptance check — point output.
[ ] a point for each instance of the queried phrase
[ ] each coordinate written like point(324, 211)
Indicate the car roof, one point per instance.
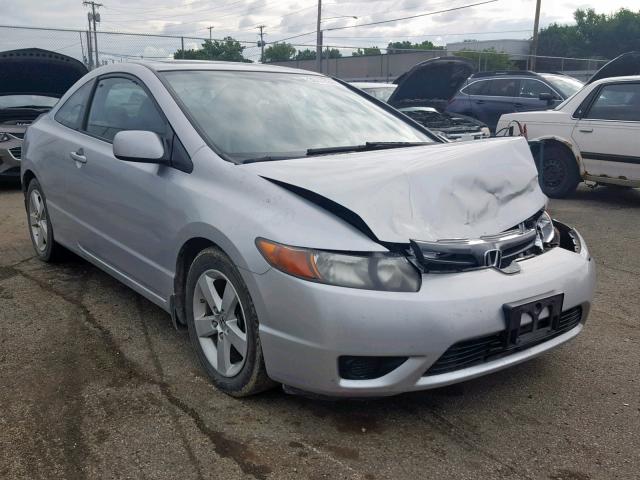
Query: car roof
point(631, 78)
point(373, 84)
point(505, 73)
point(174, 65)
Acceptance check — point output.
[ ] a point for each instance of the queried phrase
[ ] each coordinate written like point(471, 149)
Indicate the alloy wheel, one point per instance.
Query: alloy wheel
point(220, 323)
point(38, 220)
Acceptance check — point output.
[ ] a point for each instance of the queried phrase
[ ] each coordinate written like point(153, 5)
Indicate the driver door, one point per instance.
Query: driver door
point(608, 133)
point(124, 208)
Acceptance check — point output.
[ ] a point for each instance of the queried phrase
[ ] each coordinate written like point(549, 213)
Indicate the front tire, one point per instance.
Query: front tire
point(560, 175)
point(223, 325)
point(40, 227)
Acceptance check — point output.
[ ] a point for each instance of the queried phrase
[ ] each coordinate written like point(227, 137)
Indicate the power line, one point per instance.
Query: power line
point(432, 35)
point(411, 16)
point(389, 21)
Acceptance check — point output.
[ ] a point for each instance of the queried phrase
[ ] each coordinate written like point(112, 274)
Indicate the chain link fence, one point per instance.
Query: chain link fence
point(115, 47)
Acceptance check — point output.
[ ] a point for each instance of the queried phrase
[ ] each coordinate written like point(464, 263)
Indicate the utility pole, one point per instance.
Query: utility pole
point(94, 17)
point(319, 39)
point(261, 42)
point(534, 42)
point(210, 28)
point(89, 47)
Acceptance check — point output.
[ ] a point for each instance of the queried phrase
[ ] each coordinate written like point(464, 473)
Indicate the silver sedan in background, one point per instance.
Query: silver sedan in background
point(305, 234)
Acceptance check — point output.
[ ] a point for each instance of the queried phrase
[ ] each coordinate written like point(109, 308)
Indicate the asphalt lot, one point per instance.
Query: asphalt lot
point(95, 383)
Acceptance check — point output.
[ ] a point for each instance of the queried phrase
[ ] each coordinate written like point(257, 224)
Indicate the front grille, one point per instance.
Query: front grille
point(16, 152)
point(483, 349)
point(19, 135)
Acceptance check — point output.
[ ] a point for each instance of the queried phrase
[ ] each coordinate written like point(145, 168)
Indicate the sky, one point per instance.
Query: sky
point(282, 19)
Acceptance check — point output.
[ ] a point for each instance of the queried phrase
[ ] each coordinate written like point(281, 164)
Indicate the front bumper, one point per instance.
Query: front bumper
point(305, 327)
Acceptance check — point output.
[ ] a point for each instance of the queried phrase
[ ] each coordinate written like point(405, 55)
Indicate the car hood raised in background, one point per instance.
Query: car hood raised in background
point(33, 71)
point(625, 65)
point(432, 82)
point(435, 192)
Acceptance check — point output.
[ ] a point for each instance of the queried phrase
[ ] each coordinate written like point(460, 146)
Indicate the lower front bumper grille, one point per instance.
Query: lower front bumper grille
point(16, 152)
point(483, 349)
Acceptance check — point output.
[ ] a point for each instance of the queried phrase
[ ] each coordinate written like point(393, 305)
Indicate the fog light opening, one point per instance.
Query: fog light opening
point(367, 368)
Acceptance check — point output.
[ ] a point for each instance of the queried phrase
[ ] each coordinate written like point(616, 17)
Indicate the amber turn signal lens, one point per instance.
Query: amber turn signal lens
point(294, 261)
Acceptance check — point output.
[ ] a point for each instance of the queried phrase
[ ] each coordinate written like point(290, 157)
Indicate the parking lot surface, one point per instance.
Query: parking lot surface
point(96, 383)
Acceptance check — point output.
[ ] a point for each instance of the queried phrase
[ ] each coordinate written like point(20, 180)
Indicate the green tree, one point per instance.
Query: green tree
point(227, 49)
point(593, 35)
point(487, 59)
point(331, 53)
point(366, 51)
point(306, 54)
point(279, 52)
point(400, 47)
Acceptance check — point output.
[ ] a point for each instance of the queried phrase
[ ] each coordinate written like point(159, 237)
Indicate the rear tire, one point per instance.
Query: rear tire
point(40, 227)
point(560, 175)
point(223, 325)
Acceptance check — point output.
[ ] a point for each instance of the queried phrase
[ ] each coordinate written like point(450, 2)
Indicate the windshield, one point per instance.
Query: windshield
point(567, 86)
point(381, 93)
point(251, 115)
point(12, 101)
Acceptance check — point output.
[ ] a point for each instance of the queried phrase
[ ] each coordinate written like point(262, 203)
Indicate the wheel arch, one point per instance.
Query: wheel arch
point(198, 237)
point(26, 179)
point(566, 145)
point(187, 253)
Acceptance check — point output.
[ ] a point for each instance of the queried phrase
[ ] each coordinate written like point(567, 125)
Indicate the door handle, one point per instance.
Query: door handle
point(78, 156)
point(480, 102)
point(586, 130)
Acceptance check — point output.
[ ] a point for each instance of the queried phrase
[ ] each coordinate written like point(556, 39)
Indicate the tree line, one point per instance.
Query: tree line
point(593, 35)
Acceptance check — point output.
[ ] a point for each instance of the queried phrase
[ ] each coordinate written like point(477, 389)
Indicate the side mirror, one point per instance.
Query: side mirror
point(548, 97)
point(138, 146)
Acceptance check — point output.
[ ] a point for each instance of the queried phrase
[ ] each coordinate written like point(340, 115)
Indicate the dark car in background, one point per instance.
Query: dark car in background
point(422, 93)
point(489, 95)
point(31, 82)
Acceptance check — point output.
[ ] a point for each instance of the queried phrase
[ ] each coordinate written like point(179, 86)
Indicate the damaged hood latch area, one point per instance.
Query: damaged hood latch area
point(428, 193)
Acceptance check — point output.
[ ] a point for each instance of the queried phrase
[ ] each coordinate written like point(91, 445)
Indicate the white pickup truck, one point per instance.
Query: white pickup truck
point(592, 136)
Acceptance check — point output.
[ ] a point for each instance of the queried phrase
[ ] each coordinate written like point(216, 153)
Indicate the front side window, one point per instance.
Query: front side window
point(502, 87)
point(249, 115)
point(122, 104)
point(70, 114)
point(533, 89)
point(617, 102)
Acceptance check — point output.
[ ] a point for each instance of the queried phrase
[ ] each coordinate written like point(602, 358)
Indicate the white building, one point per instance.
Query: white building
point(518, 49)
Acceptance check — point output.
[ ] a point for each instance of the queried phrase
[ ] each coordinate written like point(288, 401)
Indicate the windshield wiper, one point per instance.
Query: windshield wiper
point(364, 147)
point(269, 158)
point(29, 107)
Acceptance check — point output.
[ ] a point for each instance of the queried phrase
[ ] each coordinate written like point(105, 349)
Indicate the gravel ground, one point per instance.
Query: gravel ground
point(95, 383)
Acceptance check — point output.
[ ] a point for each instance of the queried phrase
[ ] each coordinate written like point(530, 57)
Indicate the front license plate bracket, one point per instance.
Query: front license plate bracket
point(544, 312)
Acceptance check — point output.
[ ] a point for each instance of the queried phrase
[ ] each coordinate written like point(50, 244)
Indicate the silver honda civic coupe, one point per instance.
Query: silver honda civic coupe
point(306, 234)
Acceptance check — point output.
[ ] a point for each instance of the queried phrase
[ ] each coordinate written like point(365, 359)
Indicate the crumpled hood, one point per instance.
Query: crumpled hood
point(436, 192)
point(33, 71)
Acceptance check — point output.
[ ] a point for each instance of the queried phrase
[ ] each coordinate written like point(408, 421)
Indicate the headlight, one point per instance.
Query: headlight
point(4, 137)
point(373, 271)
point(545, 228)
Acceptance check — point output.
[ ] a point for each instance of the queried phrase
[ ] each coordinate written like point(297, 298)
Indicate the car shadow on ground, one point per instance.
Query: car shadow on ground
point(9, 185)
point(616, 197)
